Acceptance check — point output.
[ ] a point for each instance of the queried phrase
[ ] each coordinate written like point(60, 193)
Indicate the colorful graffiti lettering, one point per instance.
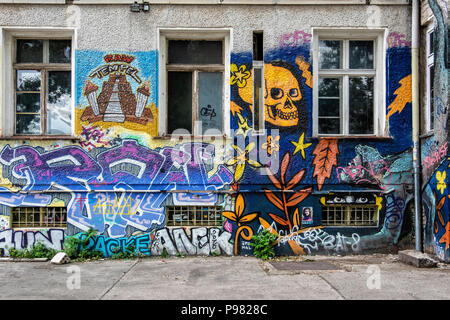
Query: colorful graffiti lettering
point(298, 37)
point(395, 39)
point(91, 137)
point(436, 156)
point(139, 244)
point(314, 239)
point(203, 241)
point(374, 173)
point(126, 168)
point(19, 240)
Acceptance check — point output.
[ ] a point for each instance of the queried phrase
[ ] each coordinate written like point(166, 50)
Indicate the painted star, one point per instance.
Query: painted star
point(300, 145)
point(244, 128)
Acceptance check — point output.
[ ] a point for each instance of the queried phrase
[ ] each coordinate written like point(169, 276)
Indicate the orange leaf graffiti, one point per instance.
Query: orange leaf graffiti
point(325, 153)
point(296, 218)
point(298, 197)
point(278, 219)
point(294, 199)
point(274, 199)
point(403, 94)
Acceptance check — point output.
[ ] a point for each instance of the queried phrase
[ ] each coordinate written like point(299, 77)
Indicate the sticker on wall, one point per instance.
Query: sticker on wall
point(307, 215)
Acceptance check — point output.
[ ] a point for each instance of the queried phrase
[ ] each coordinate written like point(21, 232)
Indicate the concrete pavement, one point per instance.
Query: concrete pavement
point(226, 278)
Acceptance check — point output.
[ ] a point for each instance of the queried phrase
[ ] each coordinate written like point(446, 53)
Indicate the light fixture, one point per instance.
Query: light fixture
point(137, 7)
point(145, 6)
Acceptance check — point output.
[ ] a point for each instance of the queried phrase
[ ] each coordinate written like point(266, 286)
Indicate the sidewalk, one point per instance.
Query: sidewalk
point(226, 278)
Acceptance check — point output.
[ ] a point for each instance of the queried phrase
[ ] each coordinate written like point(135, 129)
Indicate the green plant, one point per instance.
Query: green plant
point(263, 244)
point(75, 247)
point(215, 253)
point(165, 254)
point(129, 253)
point(38, 250)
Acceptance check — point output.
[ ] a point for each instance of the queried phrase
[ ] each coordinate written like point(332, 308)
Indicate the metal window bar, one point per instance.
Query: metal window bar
point(350, 215)
point(39, 217)
point(193, 215)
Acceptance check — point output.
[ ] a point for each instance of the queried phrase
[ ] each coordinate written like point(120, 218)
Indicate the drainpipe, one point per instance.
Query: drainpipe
point(416, 123)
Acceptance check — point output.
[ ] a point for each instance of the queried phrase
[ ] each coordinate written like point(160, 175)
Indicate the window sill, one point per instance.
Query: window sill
point(427, 135)
point(182, 137)
point(73, 138)
point(353, 137)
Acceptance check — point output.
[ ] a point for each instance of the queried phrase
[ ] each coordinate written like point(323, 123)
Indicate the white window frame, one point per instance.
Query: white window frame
point(429, 125)
point(379, 38)
point(8, 41)
point(209, 34)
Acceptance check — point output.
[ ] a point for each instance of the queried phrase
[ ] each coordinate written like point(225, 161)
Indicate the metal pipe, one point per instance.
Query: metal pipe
point(415, 25)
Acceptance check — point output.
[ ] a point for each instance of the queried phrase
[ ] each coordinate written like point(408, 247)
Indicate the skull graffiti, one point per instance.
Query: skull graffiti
point(282, 90)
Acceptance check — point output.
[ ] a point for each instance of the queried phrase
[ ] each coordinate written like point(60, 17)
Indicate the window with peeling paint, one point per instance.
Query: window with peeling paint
point(195, 80)
point(43, 97)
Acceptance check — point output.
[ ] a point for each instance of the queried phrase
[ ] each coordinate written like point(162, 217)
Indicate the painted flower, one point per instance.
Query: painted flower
point(440, 176)
point(239, 75)
point(272, 144)
point(241, 160)
point(237, 216)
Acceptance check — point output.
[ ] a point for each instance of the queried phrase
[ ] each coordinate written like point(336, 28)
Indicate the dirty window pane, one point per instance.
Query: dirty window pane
point(329, 105)
point(210, 100)
point(361, 105)
point(329, 87)
point(258, 93)
point(431, 87)
point(29, 51)
point(361, 54)
point(179, 101)
point(28, 102)
point(59, 102)
point(431, 43)
point(195, 52)
point(28, 124)
point(59, 51)
point(329, 125)
point(330, 54)
point(28, 80)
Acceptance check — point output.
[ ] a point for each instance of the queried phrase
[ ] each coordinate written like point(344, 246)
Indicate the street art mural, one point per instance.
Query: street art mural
point(118, 177)
point(435, 155)
point(309, 168)
point(129, 169)
point(202, 241)
point(117, 90)
point(19, 240)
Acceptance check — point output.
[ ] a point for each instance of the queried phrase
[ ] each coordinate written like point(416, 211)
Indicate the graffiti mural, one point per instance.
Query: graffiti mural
point(132, 170)
point(19, 240)
point(202, 241)
point(116, 90)
point(119, 176)
point(139, 244)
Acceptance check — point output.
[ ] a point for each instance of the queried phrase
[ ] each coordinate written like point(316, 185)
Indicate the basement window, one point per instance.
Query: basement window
point(350, 215)
point(39, 217)
point(193, 215)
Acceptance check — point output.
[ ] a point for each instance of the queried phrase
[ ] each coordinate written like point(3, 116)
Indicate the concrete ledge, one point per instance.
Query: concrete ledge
point(417, 259)
point(23, 259)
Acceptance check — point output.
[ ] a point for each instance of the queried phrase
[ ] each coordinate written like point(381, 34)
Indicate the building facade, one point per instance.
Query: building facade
point(434, 128)
point(189, 126)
